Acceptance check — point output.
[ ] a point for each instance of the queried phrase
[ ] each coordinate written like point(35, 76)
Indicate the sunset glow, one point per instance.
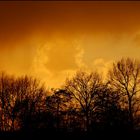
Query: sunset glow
point(52, 40)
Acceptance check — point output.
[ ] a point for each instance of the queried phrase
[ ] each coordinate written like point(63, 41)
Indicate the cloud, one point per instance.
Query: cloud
point(102, 66)
point(136, 39)
point(79, 56)
point(61, 55)
point(21, 20)
point(99, 62)
point(55, 60)
point(51, 40)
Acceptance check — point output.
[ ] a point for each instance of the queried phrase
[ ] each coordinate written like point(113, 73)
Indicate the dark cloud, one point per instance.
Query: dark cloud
point(21, 20)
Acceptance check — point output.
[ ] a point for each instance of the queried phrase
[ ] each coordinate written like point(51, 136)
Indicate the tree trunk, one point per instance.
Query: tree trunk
point(87, 122)
point(57, 117)
point(131, 114)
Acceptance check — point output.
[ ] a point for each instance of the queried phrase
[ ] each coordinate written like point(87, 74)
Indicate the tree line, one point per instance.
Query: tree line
point(85, 102)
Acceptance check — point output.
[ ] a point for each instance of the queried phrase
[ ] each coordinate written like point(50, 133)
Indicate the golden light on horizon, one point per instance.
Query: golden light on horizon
point(52, 40)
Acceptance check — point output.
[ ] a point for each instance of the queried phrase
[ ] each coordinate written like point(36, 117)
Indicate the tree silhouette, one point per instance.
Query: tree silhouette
point(58, 103)
point(29, 99)
point(83, 87)
point(125, 78)
point(6, 101)
point(85, 103)
point(20, 99)
point(109, 113)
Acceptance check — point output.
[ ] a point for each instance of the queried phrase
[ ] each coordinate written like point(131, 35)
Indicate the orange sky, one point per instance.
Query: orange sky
point(51, 40)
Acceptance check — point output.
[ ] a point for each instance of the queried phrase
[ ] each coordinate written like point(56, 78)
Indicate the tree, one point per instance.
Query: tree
point(109, 114)
point(28, 99)
point(20, 99)
point(4, 99)
point(125, 78)
point(57, 103)
point(83, 88)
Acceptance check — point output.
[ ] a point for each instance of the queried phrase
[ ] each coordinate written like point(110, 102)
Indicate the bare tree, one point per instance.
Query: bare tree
point(125, 78)
point(28, 99)
point(20, 99)
point(58, 104)
point(109, 114)
point(6, 100)
point(83, 87)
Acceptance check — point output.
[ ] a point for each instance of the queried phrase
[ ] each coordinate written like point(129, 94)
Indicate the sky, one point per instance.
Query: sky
point(52, 40)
